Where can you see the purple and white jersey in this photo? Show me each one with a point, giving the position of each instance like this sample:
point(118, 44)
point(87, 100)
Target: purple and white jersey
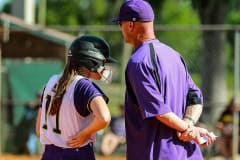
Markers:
point(74, 113)
point(148, 138)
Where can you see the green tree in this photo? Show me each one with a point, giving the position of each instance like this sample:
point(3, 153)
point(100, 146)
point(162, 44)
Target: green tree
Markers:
point(177, 13)
point(214, 87)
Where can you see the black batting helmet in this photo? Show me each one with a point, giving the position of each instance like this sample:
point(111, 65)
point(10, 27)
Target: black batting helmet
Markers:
point(86, 53)
point(100, 44)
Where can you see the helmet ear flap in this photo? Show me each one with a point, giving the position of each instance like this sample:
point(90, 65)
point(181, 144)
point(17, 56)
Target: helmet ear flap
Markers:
point(95, 68)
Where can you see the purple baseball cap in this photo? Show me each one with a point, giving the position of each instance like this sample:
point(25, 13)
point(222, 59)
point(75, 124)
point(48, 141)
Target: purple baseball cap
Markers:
point(135, 10)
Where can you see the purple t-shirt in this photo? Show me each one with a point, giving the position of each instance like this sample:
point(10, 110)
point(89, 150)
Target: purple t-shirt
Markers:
point(147, 138)
point(85, 91)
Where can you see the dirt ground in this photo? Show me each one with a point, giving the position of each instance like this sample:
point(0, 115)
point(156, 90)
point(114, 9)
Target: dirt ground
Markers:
point(26, 157)
point(18, 157)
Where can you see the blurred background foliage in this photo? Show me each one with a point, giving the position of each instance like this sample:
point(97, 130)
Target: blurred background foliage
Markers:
point(167, 12)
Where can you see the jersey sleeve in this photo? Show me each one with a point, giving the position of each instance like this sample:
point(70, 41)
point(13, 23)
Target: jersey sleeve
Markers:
point(85, 91)
point(149, 99)
point(194, 95)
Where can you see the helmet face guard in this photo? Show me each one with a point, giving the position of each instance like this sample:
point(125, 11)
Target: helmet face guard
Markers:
point(106, 74)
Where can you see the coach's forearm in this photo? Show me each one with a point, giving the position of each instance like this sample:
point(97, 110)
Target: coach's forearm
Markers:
point(193, 113)
point(172, 120)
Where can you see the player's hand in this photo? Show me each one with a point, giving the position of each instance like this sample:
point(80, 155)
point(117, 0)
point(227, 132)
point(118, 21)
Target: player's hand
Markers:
point(78, 140)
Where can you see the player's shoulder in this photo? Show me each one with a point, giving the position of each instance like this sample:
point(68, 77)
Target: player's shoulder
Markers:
point(54, 78)
point(84, 85)
point(81, 81)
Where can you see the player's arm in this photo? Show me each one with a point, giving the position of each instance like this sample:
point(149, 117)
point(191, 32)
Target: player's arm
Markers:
point(37, 124)
point(101, 114)
point(101, 119)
